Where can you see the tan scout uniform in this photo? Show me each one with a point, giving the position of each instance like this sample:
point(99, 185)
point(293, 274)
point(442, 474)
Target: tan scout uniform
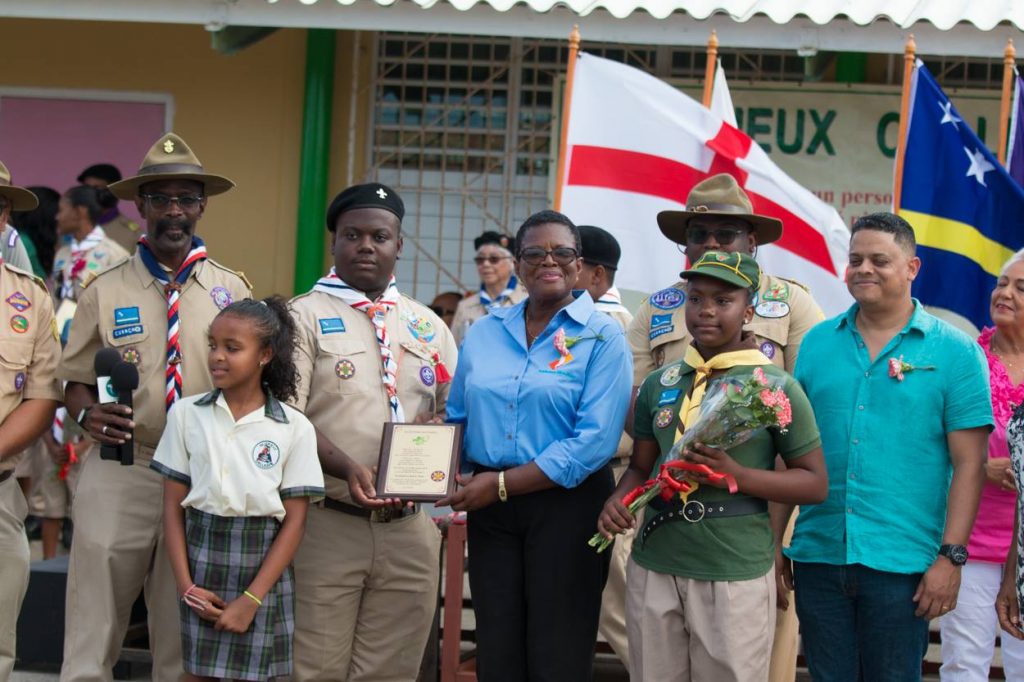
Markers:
point(470, 310)
point(124, 231)
point(784, 313)
point(97, 259)
point(29, 352)
point(12, 250)
point(118, 548)
point(365, 591)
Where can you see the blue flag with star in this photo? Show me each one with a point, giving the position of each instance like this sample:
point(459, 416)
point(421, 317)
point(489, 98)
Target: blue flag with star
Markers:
point(966, 210)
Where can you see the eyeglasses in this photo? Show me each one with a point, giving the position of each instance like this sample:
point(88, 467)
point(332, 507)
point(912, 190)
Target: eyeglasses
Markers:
point(724, 236)
point(493, 260)
point(535, 255)
point(186, 203)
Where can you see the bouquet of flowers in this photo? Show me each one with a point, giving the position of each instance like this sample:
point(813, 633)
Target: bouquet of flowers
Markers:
point(733, 410)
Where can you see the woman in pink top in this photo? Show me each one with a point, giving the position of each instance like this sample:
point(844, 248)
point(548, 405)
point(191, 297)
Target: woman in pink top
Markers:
point(969, 631)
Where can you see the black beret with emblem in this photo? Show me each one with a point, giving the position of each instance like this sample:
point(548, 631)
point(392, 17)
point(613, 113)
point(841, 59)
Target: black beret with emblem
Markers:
point(370, 195)
point(599, 247)
point(496, 238)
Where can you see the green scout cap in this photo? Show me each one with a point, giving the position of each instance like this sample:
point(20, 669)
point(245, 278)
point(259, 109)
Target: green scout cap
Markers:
point(737, 269)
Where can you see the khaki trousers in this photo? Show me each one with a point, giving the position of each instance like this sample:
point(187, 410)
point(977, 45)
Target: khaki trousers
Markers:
point(787, 628)
point(682, 629)
point(365, 597)
point(53, 494)
point(612, 625)
point(13, 569)
point(117, 552)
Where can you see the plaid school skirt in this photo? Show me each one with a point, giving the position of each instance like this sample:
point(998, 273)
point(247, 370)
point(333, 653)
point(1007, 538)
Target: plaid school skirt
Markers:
point(224, 555)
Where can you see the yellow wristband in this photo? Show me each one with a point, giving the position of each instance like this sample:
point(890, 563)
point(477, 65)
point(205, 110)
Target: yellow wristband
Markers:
point(502, 493)
point(250, 595)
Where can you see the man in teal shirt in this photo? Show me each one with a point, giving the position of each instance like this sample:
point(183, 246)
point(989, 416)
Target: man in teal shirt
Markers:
point(902, 402)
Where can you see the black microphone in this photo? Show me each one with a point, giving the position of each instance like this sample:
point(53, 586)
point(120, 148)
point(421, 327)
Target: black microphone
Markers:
point(104, 362)
point(124, 377)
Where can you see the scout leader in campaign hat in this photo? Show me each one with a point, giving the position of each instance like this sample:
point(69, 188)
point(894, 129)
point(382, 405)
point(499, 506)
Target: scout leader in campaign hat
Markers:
point(719, 195)
point(170, 159)
point(19, 198)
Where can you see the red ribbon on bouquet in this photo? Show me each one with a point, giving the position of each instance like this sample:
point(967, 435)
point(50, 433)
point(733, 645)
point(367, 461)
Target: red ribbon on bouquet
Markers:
point(62, 474)
point(670, 485)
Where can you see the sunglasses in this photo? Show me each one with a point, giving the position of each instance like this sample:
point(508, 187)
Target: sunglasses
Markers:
point(535, 255)
point(493, 260)
point(724, 236)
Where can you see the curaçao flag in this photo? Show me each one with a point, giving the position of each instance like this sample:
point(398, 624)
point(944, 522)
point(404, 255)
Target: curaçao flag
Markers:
point(966, 210)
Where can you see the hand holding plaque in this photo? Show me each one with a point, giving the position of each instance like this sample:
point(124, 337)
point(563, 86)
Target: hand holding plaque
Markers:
point(418, 462)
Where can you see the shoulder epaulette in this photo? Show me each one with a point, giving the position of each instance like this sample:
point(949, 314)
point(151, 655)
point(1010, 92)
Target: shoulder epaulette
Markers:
point(793, 281)
point(237, 273)
point(25, 273)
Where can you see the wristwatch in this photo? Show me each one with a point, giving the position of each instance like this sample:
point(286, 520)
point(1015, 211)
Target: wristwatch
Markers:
point(957, 554)
point(82, 415)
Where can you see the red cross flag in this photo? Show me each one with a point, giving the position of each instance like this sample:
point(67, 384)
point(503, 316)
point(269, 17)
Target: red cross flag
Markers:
point(636, 146)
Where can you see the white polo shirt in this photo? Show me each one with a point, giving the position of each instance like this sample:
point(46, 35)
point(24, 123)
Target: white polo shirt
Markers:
point(239, 468)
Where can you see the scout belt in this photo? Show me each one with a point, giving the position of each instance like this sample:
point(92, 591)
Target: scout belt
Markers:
point(378, 515)
point(695, 511)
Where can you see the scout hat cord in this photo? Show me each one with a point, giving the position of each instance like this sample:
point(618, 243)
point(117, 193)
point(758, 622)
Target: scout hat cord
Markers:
point(78, 251)
point(335, 286)
point(486, 300)
point(172, 290)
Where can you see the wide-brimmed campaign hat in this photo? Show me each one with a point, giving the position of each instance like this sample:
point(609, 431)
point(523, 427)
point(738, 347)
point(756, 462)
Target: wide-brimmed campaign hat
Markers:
point(735, 268)
point(21, 199)
point(718, 195)
point(170, 159)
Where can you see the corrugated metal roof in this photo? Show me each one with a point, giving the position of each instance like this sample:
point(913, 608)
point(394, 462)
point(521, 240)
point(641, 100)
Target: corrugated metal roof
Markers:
point(944, 14)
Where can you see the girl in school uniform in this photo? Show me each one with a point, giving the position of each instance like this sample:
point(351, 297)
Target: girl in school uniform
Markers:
point(241, 467)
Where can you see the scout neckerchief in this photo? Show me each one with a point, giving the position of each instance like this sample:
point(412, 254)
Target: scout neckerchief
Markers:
point(691, 403)
point(506, 295)
point(377, 312)
point(172, 290)
point(76, 263)
point(611, 302)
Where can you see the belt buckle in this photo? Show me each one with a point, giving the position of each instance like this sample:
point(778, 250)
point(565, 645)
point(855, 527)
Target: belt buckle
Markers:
point(382, 515)
point(693, 511)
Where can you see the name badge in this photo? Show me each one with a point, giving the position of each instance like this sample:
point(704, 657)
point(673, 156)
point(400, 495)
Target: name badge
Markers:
point(331, 325)
point(124, 316)
point(127, 331)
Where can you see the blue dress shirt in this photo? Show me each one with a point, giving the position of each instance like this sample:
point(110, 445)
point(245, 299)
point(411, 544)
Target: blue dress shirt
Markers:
point(884, 440)
point(518, 409)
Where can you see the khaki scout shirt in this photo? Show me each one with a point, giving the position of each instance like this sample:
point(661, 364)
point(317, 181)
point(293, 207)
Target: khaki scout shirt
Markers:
point(340, 372)
point(783, 313)
point(471, 309)
point(97, 259)
point(124, 231)
point(29, 349)
point(624, 318)
point(125, 308)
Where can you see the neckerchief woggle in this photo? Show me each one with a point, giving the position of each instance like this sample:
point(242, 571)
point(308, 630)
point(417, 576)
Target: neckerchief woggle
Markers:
point(172, 291)
point(377, 312)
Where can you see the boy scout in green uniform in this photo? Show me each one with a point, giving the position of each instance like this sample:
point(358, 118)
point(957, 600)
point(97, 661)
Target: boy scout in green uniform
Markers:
point(29, 393)
point(719, 216)
point(366, 573)
point(154, 309)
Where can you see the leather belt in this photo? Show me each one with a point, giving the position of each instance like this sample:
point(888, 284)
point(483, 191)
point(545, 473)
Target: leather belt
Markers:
point(376, 515)
point(696, 511)
point(4, 475)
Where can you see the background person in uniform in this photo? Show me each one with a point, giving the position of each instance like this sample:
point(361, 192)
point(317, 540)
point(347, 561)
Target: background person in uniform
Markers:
point(903, 404)
point(366, 573)
point(38, 229)
point(718, 216)
point(444, 305)
point(499, 287)
point(11, 249)
point(118, 226)
point(543, 389)
point(601, 253)
point(155, 309)
point(29, 394)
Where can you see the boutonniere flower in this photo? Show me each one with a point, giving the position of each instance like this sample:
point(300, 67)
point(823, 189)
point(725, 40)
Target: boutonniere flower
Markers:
point(898, 368)
point(563, 343)
point(77, 267)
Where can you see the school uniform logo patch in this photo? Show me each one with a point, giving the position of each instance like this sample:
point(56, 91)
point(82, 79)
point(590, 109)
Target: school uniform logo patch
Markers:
point(663, 418)
point(221, 297)
point(123, 316)
point(345, 369)
point(331, 325)
point(427, 376)
point(19, 323)
point(19, 301)
point(266, 454)
point(772, 309)
point(19, 381)
point(668, 299)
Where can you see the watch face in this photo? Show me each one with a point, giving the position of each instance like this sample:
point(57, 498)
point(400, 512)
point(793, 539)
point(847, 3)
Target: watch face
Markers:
point(958, 554)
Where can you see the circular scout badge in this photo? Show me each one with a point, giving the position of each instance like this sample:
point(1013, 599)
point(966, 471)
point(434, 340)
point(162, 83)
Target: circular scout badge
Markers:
point(221, 297)
point(671, 375)
point(19, 381)
point(768, 348)
point(345, 369)
point(421, 329)
point(427, 376)
point(19, 323)
point(772, 309)
point(131, 356)
point(266, 454)
point(438, 476)
point(663, 418)
point(668, 299)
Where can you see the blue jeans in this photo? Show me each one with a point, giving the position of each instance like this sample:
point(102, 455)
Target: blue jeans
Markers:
point(859, 624)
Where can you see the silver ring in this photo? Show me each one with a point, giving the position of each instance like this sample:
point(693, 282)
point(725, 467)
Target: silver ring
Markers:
point(104, 430)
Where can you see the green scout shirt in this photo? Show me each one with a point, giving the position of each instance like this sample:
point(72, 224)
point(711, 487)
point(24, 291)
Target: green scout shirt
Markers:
point(731, 548)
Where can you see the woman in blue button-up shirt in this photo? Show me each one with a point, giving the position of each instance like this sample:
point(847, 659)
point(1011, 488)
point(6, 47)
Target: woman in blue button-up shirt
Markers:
point(543, 388)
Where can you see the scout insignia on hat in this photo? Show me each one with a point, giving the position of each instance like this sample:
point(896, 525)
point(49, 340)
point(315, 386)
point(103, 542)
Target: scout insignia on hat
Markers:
point(668, 299)
point(664, 417)
point(370, 195)
point(496, 238)
point(266, 454)
point(719, 195)
point(345, 369)
point(19, 301)
point(221, 297)
point(170, 159)
point(599, 247)
point(19, 323)
point(671, 376)
point(19, 381)
point(738, 269)
point(20, 198)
